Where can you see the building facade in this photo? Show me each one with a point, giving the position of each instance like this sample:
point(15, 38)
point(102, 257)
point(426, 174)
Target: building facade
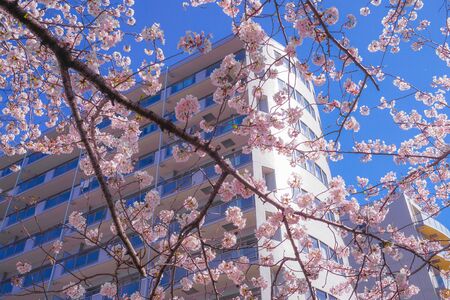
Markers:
point(37, 200)
point(410, 220)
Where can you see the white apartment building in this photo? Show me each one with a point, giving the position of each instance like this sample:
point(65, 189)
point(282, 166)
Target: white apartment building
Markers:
point(37, 200)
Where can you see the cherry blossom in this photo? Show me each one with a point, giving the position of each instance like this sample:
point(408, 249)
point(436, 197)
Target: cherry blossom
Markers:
point(23, 267)
point(186, 108)
point(45, 43)
point(108, 289)
point(74, 291)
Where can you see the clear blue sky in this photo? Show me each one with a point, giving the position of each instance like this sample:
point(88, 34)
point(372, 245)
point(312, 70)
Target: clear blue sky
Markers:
point(417, 68)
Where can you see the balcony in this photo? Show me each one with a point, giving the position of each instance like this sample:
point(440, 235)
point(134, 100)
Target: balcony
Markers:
point(46, 176)
point(231, 255)
point(97, 258)
point(432, 228)
point(441, 261)
point(166, 188)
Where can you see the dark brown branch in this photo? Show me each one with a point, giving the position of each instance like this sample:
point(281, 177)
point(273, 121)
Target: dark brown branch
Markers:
point(338, 44)
point(97, 169)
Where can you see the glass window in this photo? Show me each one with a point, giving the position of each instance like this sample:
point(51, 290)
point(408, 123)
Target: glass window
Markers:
point(37, 277)
point(93, 184)
point(209, 101)
point(312, 111)
point(240, 55)
point(212, 67)
point(171, 117)
point(263, 105)
point(30, 183)
point(7, 170)
point(182, 84)
point(333, 255)
point(151, 100)
point(209, 171)
point(321, 295)
point(281, 85)
point(324, 177)
point(95, 216)
point(57, 199)
point(81, 260)
point(47, 236)
point(146, 160)
point(135, 198)
point(324, 250)
point(104, 123)
point(129, 288)
point(169, 187)
point(21, 215)
point(65, 167)
point(12, 249)
point(147, 129)
point(277, 54)
point(5, 287)
point(184, 182)
point(136, 241)
point(35, 157)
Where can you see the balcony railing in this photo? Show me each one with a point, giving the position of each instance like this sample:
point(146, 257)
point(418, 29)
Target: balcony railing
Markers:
point(12, 249)
point(217, 212)
point(46, 176)
point(172, 89)
point(428, 221)
point(80, 260)
point(251, 253)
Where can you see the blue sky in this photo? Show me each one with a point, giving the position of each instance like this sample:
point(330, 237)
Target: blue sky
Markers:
point(417, 68)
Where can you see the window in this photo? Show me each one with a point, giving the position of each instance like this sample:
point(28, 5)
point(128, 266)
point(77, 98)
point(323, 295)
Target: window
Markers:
point(150, 100)
point(240, 159)
point(263, 104)
point(176, 87)
point(240, 55)
point(281, 84)
point(37, 277)
point(321, 295)
point(91, 292)
point(89, 185)
point(47, 236)
point(136, 241)
point(95, 216)
point(5, 287)
point(298, 97)
point(30, 183)
point(147, 129)
point(129, 288)
point(209, 101)
point(21, 215)
point(81, 260)
point(212, 67)
point(311, 167)
point(104, 123)
point(7, 170)
point(270, 180)
point(305, 130)
point(35, 157)
point(57, 199)
point(12, 249)
point(146, 160)
point(171, 117)
point(65, 167)
point(135, 198)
